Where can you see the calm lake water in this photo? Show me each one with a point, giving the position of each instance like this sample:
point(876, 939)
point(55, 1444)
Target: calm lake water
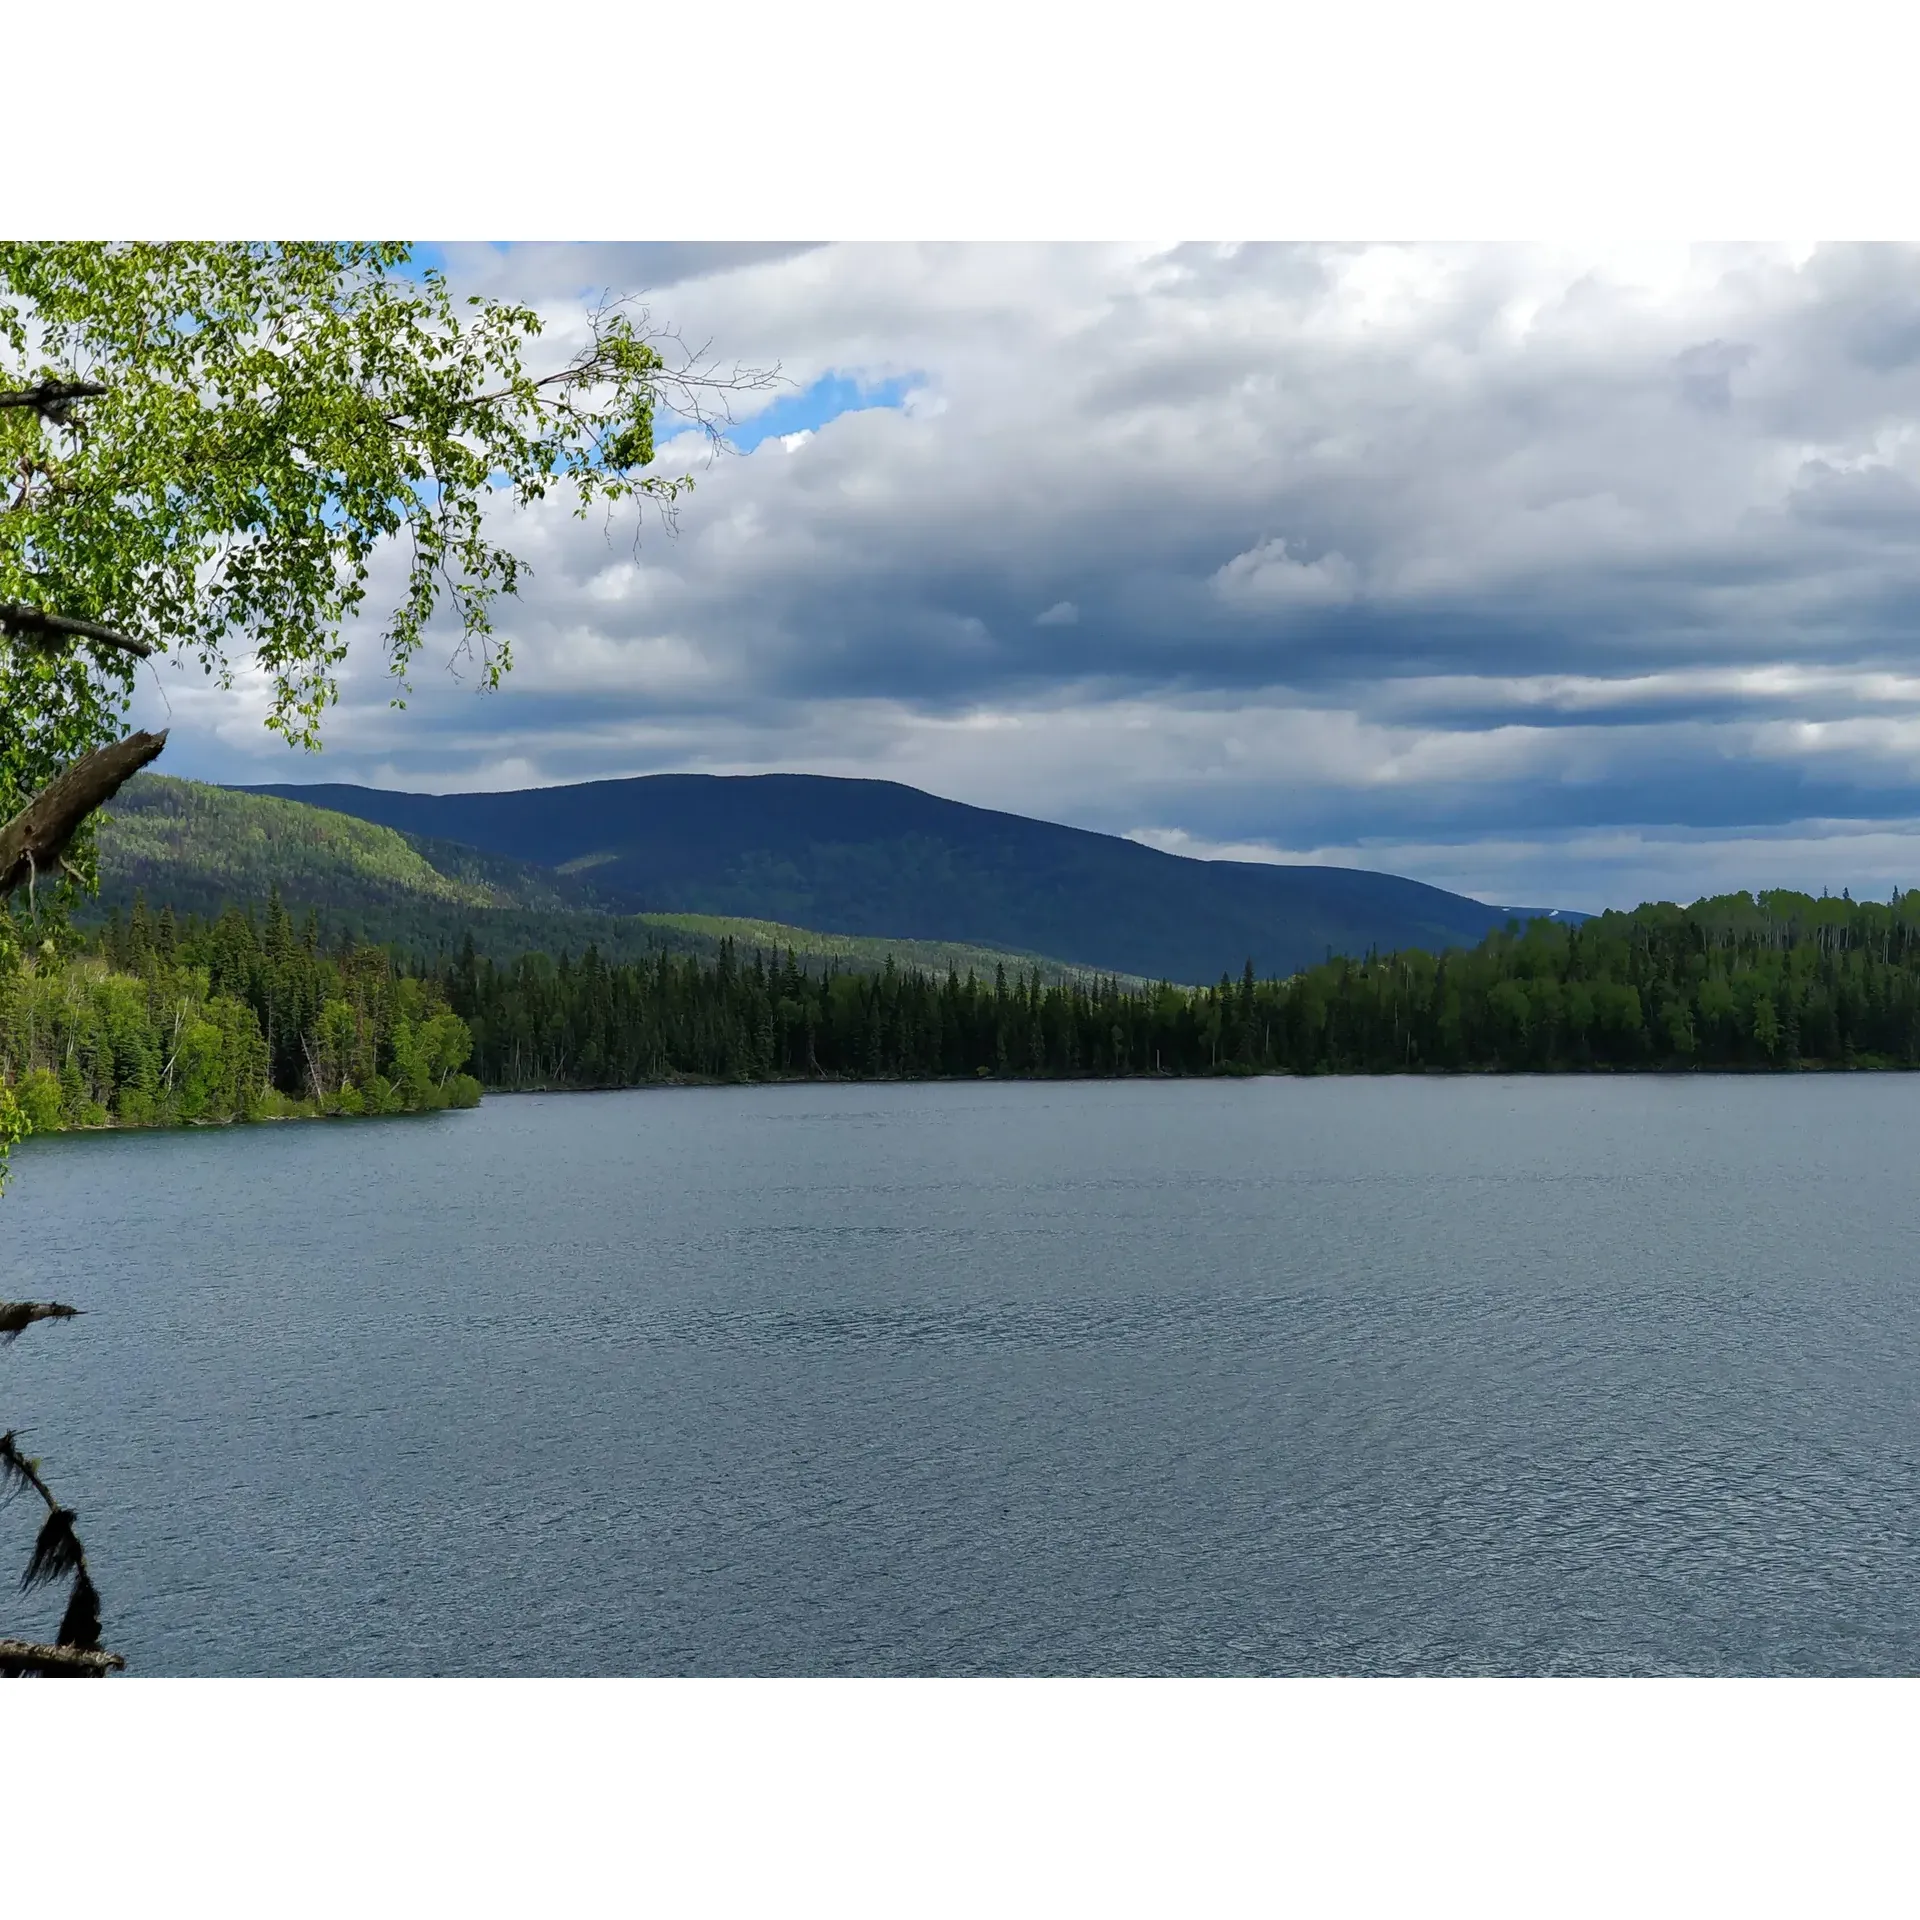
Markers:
point(1337, 1376)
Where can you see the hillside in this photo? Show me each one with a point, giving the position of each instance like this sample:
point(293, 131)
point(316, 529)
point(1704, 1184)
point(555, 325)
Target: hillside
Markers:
point(870, 857)
point(200, 849)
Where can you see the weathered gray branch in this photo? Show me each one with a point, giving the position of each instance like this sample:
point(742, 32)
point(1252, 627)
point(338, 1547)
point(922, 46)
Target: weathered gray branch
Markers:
point(34, 840)
point(34, 623)
point(23, 1657)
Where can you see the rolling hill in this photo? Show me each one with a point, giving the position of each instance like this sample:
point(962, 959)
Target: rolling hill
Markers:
point(876, 859)
point(200, 849)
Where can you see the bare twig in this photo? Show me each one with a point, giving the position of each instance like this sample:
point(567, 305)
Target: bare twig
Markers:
point(34, 623)
point(17, 1471)
point(37, 836)
point(677, 384)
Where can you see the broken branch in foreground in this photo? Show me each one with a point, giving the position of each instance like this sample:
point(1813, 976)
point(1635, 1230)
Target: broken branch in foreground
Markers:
point(34, 840)
point(19, 1658)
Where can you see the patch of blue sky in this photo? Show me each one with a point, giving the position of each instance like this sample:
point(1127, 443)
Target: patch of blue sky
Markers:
point(428, 254)
point(811, 408)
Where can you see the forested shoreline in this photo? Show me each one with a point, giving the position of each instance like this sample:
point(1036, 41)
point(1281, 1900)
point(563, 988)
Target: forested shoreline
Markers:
point(153, 1024)
point(148, 1022)
point(1777, 982)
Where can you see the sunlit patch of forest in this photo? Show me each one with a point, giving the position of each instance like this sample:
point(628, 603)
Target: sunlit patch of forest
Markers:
point(151, 1024)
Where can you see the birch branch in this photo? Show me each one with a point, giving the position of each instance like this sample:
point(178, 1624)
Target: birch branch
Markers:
point(49, 629)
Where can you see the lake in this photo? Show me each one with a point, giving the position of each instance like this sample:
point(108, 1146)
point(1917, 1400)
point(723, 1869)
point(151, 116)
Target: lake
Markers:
point(1258, 1377)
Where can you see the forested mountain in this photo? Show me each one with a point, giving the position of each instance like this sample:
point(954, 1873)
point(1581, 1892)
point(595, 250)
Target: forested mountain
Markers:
point(1783, 981)
point(200, 849)
point(875, 858)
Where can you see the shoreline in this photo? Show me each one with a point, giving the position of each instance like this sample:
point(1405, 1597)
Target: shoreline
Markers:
point(694, 1083)
point(232, 1120)
point(1667, 1069)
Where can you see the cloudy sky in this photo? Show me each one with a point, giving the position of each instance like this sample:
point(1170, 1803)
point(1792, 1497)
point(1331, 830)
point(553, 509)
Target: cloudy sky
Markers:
point(1556, 576)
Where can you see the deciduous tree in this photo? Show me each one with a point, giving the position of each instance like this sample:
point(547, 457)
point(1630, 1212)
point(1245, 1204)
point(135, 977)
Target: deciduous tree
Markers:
point(204, 449)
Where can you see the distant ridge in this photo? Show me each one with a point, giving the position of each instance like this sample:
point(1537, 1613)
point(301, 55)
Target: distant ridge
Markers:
point(201, 849)
point(873, 857)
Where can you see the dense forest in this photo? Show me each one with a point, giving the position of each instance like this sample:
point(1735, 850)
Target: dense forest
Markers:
point(1778, 981)
point(149, 1024)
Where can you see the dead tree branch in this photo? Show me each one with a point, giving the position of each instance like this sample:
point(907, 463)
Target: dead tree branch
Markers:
point(19, 1658)
point(35, 839)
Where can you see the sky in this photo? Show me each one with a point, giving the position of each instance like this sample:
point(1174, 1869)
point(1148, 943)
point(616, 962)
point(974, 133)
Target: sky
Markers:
point(1559, 576)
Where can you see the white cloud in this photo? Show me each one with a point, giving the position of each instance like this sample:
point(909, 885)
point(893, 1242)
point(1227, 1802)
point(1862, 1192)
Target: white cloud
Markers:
point(1333, 546)
point(1267, 578)
point(1612, 868)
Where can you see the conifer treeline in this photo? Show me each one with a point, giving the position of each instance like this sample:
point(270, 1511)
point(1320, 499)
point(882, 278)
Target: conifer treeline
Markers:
point(156, 1023)
point(245, 1016)
point(1779, 981)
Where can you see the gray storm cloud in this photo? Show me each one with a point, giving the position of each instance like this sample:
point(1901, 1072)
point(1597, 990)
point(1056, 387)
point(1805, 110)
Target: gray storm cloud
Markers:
point(1605, 566)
